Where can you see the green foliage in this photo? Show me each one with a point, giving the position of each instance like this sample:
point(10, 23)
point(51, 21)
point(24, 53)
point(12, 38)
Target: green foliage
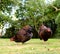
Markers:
point(57, 3)
point(4, 19)
point(6, 5)
point(57, 33)
point(31, 12)
point(58, 19)
point(10, 32)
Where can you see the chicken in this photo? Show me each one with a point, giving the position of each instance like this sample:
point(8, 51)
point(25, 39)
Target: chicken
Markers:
point(23, 34)
point(45, 32)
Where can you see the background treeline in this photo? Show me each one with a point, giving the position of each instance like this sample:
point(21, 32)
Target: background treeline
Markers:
point(31, 12)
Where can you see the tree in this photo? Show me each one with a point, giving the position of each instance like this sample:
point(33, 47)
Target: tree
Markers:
point(6, 7)
point(55, 7)
point(37, 11)
point(32, 10)
point(4, 20)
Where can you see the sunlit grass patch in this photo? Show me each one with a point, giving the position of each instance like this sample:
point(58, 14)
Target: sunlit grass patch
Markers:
point(33, 46)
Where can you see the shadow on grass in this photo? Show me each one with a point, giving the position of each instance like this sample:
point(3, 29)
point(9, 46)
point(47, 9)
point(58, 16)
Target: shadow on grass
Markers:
point(4, 38)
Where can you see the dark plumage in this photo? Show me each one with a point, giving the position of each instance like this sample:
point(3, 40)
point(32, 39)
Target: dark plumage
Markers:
point(23, 34)
point(51, 24)
point(45, 32)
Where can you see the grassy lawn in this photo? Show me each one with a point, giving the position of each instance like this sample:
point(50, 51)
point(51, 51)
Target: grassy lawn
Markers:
point(34, 46)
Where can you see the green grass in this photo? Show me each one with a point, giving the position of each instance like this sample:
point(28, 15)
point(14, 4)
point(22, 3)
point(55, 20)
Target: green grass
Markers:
point(34, 46)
